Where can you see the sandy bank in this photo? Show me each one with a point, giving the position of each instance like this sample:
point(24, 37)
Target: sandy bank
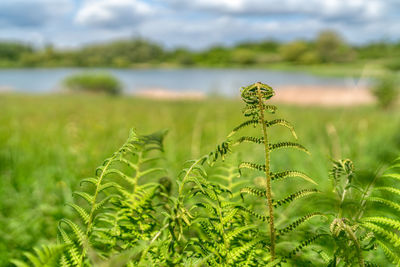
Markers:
point(5, 89)
point(165, 94)
point(325, 96)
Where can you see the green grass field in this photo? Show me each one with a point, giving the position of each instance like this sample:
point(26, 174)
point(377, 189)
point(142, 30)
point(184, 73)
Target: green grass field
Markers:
point(49, 142)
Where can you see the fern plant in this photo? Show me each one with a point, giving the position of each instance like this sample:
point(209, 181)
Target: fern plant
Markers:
point(367, 221)
point(115, 204)
point(255, 97)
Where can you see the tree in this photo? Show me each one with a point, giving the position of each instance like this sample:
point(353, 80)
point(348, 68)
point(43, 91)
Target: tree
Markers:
point(332, 48)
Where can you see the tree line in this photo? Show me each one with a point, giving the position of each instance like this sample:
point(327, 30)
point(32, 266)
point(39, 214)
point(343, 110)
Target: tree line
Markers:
point(328, 47)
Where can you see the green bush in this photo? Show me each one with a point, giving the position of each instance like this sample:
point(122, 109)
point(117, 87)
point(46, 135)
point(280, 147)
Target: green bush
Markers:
point(386, 90)
point(93, 82)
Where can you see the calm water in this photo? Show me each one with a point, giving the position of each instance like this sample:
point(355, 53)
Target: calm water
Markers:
point(223, 81)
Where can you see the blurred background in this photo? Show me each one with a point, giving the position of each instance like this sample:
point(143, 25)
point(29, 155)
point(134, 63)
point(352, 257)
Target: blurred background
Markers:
point(204, 46)
point(76, 75)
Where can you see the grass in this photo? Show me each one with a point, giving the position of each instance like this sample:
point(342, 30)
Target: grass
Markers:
point(43, 138)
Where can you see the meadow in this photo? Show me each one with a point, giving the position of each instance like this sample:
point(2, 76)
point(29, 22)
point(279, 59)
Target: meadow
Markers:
point(49, 142)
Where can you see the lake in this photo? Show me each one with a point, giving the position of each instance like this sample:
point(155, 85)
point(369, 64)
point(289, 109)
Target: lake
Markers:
point(220, 81)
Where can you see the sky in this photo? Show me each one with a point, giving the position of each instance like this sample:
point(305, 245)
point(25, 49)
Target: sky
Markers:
point(195, 24)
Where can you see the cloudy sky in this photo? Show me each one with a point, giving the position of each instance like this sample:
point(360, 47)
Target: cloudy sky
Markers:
point(195, 23)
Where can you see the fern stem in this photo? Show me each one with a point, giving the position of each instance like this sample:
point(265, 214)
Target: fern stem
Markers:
point(267, 173)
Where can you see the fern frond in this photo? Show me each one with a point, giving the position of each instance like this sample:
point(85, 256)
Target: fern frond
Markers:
point(251, 166)
point(78, 232)
point(251, 110)
point(253, 191)
point(64, 262)
point(285, 174)
point(253, 213)
point(284, 123)
point(210, 208)
point(89, 198)
point(238, 231)
point(209, 229)
point(302, 245)
point(243, 125)
point(390, 236)
point(221, 151)
point(392, 256)
point(294, 196)
point(90, 180)
point(130, 180)
point(236, 253)
point(389, 189)
point(72, 248)
point(342, 168)
point(395, 176)
point(386, 202)
point(250, 139)
point(249, 93)
point(270, 108)
point(385, 221)
point(81, 211)
point(102, 202)
point(228, 216)
point(297, 223)
point(370, 264)
point(288, 145)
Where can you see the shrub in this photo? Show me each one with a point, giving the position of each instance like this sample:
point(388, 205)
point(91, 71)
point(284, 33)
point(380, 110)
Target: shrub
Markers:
point(94, 83)
point(386, 90)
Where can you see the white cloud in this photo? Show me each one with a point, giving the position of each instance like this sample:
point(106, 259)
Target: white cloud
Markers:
point(226, 30)
point(196, 23)
point(329, 9)
point(112, 13)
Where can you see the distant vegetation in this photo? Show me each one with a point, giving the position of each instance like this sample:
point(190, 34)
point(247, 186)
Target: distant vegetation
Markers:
point(386, 90)
point(327, 48)
point(94, 83)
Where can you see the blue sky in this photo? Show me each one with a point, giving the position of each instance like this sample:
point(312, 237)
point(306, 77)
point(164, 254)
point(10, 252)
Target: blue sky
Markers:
point(195, 23)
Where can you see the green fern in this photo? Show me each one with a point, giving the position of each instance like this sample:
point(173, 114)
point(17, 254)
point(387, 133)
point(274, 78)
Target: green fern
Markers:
point(363, 229)
point(255, 97)
point(133, 212)
point(115, 205)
